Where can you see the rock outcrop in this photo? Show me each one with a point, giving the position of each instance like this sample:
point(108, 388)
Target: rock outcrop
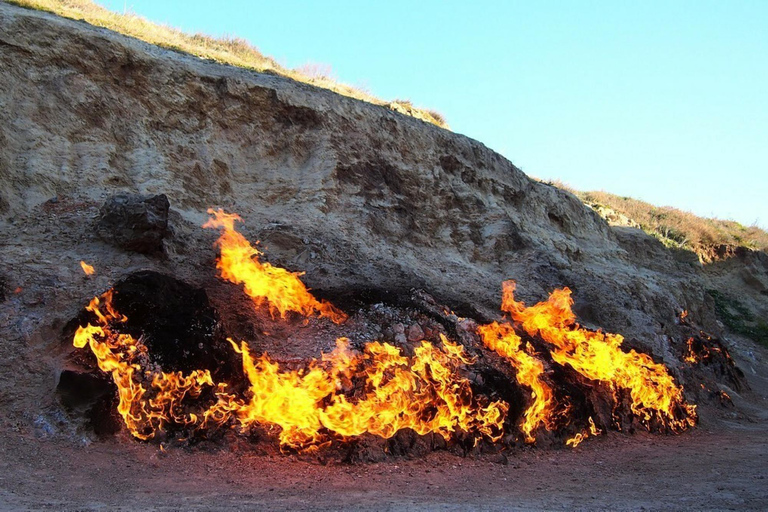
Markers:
point(356, 195)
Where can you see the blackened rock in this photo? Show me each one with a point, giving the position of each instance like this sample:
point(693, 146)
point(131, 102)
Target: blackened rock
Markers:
point(135, 222)
point(177, 323)
point(90, 395)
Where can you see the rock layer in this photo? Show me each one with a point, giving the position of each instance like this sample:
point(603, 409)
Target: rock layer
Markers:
point(356, 195)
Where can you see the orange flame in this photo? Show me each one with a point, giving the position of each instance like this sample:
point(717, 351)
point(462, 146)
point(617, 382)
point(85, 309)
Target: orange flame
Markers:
point(423, 393)
point(598, 356)
point(692, 356)
point(280, 289)
point(88, 269)
point(502, 339)
point(146, 409)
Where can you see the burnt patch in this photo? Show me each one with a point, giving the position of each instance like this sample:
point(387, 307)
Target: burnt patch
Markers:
point(180, 330)
point(91, 396)
point(175, 320)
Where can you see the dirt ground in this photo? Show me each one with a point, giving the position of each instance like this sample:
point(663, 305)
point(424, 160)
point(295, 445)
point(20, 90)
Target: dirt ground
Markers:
point(719, 466)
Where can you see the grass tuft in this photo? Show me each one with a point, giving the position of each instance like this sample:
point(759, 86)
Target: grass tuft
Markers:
point(673, 227)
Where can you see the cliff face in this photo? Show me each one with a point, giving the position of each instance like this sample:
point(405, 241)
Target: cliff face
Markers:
point(356, 195)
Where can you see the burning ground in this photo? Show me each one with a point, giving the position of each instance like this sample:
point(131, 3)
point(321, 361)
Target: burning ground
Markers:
point(717, 464)
point(553, 377)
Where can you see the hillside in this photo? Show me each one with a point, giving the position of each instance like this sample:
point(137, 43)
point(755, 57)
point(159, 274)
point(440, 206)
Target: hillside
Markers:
point(673, 227)
point(112, 152)
point(232, 51)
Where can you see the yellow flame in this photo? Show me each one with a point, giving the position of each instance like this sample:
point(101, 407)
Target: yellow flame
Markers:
point(501, 338)
point(276, 287)
point(88, 269)
point(598, 356)
point(577, 439)
point(423, 393)
point(146, 410)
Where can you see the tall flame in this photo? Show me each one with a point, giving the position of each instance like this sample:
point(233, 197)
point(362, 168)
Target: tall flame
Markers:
point(502, 338)
point(598, 356)
point(280, 289)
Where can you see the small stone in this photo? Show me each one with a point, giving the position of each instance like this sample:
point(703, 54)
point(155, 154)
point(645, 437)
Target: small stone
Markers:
point(415, 333)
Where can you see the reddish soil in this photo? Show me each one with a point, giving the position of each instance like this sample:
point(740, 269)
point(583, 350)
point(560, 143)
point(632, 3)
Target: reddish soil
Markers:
point(721, 466)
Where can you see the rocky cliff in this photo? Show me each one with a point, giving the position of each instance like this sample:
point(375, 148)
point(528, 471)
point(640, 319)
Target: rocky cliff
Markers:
point(358, 196)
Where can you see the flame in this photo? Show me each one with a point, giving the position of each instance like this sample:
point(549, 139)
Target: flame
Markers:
point(697, 351)
point(148, 400)
point(502, 338)
point(88, 269)
point(598, 356)
point(378, 389)
point(581, 436)
point(693, 356)
point(423, 393)
point(280, 289)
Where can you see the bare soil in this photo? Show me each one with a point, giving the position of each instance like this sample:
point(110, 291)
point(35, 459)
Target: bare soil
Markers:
point(720, 466)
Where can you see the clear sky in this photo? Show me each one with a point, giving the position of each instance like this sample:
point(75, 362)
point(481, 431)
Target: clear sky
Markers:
point(665, 101)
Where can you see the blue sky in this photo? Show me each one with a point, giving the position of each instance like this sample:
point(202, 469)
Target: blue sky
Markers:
point(665, 101)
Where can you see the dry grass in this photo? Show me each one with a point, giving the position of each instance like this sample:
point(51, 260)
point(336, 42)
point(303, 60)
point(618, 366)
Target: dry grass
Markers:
point(676, 228)
point(233, 51)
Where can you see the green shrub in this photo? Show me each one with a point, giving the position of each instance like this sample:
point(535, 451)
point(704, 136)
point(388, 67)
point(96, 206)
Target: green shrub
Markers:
point(738, 318)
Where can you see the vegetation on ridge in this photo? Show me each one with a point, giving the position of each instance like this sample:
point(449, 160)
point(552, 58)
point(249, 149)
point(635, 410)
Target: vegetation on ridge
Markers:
point(226, 50)
point(673, 227)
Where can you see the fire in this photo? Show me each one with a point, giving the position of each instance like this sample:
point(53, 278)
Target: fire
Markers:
point(88, 269)
point(378, 389)
point(501, 338)
point(581, 436)
point(699, 351)
point(423, 393)
point(280, 289)
point(149, 401)
point(598, 356)
point(694, 356)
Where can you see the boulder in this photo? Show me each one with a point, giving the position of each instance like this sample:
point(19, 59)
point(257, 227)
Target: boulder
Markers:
point(135, 222)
